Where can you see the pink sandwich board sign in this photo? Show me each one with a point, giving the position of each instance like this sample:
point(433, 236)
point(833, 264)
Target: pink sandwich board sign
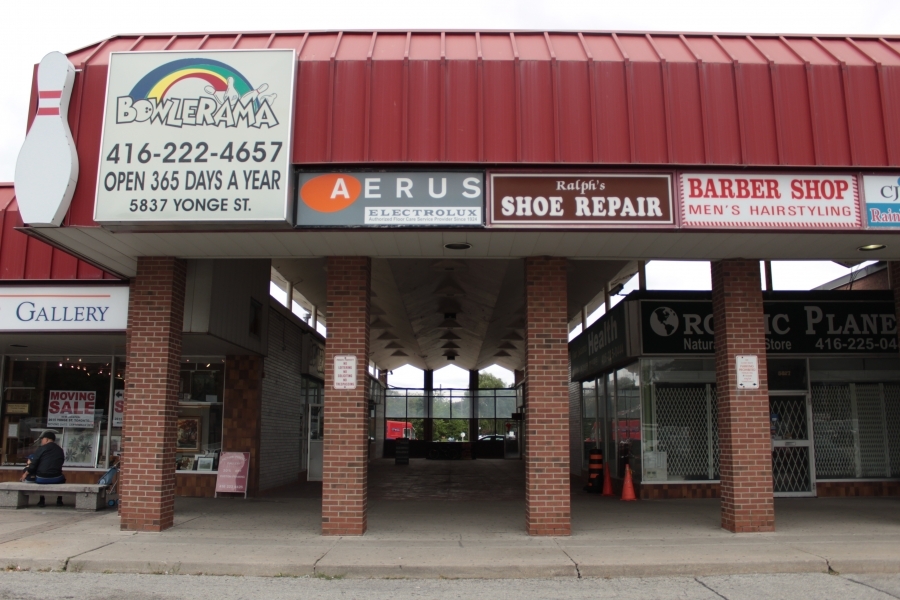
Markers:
point(233, 470)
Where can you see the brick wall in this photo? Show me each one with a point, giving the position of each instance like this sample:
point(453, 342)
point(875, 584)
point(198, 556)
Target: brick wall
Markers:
point(547, 493)
point(195, 485)
point(153, 347)
point(282, 407)
point(876, 281)
point(241, 415)
point(345, 468)
point(744, 437)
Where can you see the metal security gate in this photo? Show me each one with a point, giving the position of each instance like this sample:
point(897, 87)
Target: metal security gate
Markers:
point(793, 470)
point(855, 430)
point(687, 432)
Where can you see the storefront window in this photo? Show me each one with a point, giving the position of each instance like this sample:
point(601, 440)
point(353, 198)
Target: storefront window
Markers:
point(495, 411)
point(67, 395)
point(856, 418)
point(611, 429)
point(590, 434)
point(628, 403)
point(680, 424)
point(199, 425)
point(118, 411)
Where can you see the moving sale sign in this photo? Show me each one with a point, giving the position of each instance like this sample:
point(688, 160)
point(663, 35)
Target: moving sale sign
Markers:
point(71, 409)
point(769, 201)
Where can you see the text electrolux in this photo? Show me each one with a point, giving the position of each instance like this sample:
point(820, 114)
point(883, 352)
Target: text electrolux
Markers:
point(27, 311)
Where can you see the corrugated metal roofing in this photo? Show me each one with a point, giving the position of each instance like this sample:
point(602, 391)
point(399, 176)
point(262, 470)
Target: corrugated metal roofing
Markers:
point(558, 98)
point(24, 257)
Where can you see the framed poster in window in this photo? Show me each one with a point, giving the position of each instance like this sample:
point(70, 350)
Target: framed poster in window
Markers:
point(188, 436)
point(80, 446)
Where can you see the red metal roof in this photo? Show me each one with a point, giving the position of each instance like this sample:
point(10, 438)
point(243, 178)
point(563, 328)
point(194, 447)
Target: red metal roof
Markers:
point(23, 257)
point(557, 98)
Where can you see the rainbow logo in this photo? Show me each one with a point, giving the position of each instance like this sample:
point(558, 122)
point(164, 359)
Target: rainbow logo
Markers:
point(157, 83)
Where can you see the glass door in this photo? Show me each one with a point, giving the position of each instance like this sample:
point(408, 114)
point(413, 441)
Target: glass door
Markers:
point(793, 470)
point(316, 435)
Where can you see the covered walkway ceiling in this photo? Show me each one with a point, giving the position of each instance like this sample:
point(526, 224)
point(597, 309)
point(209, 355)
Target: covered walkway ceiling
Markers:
point(118, 252)
point(427, 310)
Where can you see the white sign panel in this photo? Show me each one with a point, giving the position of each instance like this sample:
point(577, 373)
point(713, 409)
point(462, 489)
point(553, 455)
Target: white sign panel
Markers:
point(345, 372)
point(64, 308)
point(118, 407)
point(882, 194)
point(772, 201)
point(197, 137)
point(71, 409)
point(747, 368)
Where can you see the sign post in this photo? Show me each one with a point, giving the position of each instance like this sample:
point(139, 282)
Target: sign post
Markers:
point(747, 369)
point(345, 372)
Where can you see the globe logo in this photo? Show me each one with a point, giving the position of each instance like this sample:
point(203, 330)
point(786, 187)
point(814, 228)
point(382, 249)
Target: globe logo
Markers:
point(664, 321)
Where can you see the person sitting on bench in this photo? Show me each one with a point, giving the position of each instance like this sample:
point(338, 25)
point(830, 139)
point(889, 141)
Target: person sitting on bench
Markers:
point(46, 464)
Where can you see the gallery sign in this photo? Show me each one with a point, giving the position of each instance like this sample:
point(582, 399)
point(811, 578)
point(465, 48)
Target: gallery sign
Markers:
point(379, 199)
point(882, 194)
point(770, 201)
point(197, 137)
point(71, 409)
point(63, 308)
point(580, 200)
point(810, 326)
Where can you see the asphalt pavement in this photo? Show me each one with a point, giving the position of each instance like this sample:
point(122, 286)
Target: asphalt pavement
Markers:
point(98, 586)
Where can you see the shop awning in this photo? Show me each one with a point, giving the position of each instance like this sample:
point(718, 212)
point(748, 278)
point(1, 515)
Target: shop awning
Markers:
point(552, 98)
point(24, 257)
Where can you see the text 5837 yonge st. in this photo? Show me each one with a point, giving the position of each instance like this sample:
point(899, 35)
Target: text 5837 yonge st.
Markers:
point(464, 198)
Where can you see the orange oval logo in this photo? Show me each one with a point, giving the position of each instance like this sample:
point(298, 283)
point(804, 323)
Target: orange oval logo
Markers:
point(330, 193)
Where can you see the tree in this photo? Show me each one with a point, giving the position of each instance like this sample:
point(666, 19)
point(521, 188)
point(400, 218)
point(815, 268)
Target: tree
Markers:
point(488, 381)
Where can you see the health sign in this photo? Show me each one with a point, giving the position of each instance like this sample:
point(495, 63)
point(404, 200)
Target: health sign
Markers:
point(197, 137)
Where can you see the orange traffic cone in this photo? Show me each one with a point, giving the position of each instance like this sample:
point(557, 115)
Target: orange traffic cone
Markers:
point(628, 486)
point(595, 466)
point(607, 484)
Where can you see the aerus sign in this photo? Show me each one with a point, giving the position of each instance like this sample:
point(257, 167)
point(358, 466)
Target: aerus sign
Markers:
point(380, 199)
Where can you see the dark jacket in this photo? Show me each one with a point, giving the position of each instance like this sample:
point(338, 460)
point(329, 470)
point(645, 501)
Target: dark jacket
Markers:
point(48, 461)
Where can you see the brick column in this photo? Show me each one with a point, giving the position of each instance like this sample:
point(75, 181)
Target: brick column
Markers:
point(745, 462)
point(346, 445)
point(547, 490)
point(241, 421)
point(153, 348)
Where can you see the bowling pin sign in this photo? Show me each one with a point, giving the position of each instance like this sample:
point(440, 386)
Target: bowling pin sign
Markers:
point(47, 166)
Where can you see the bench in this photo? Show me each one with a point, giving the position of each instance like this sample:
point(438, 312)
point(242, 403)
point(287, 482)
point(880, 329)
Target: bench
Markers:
point(88, 496)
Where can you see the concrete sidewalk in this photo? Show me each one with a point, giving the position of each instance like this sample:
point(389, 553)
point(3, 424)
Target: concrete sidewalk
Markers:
point(482, 539)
